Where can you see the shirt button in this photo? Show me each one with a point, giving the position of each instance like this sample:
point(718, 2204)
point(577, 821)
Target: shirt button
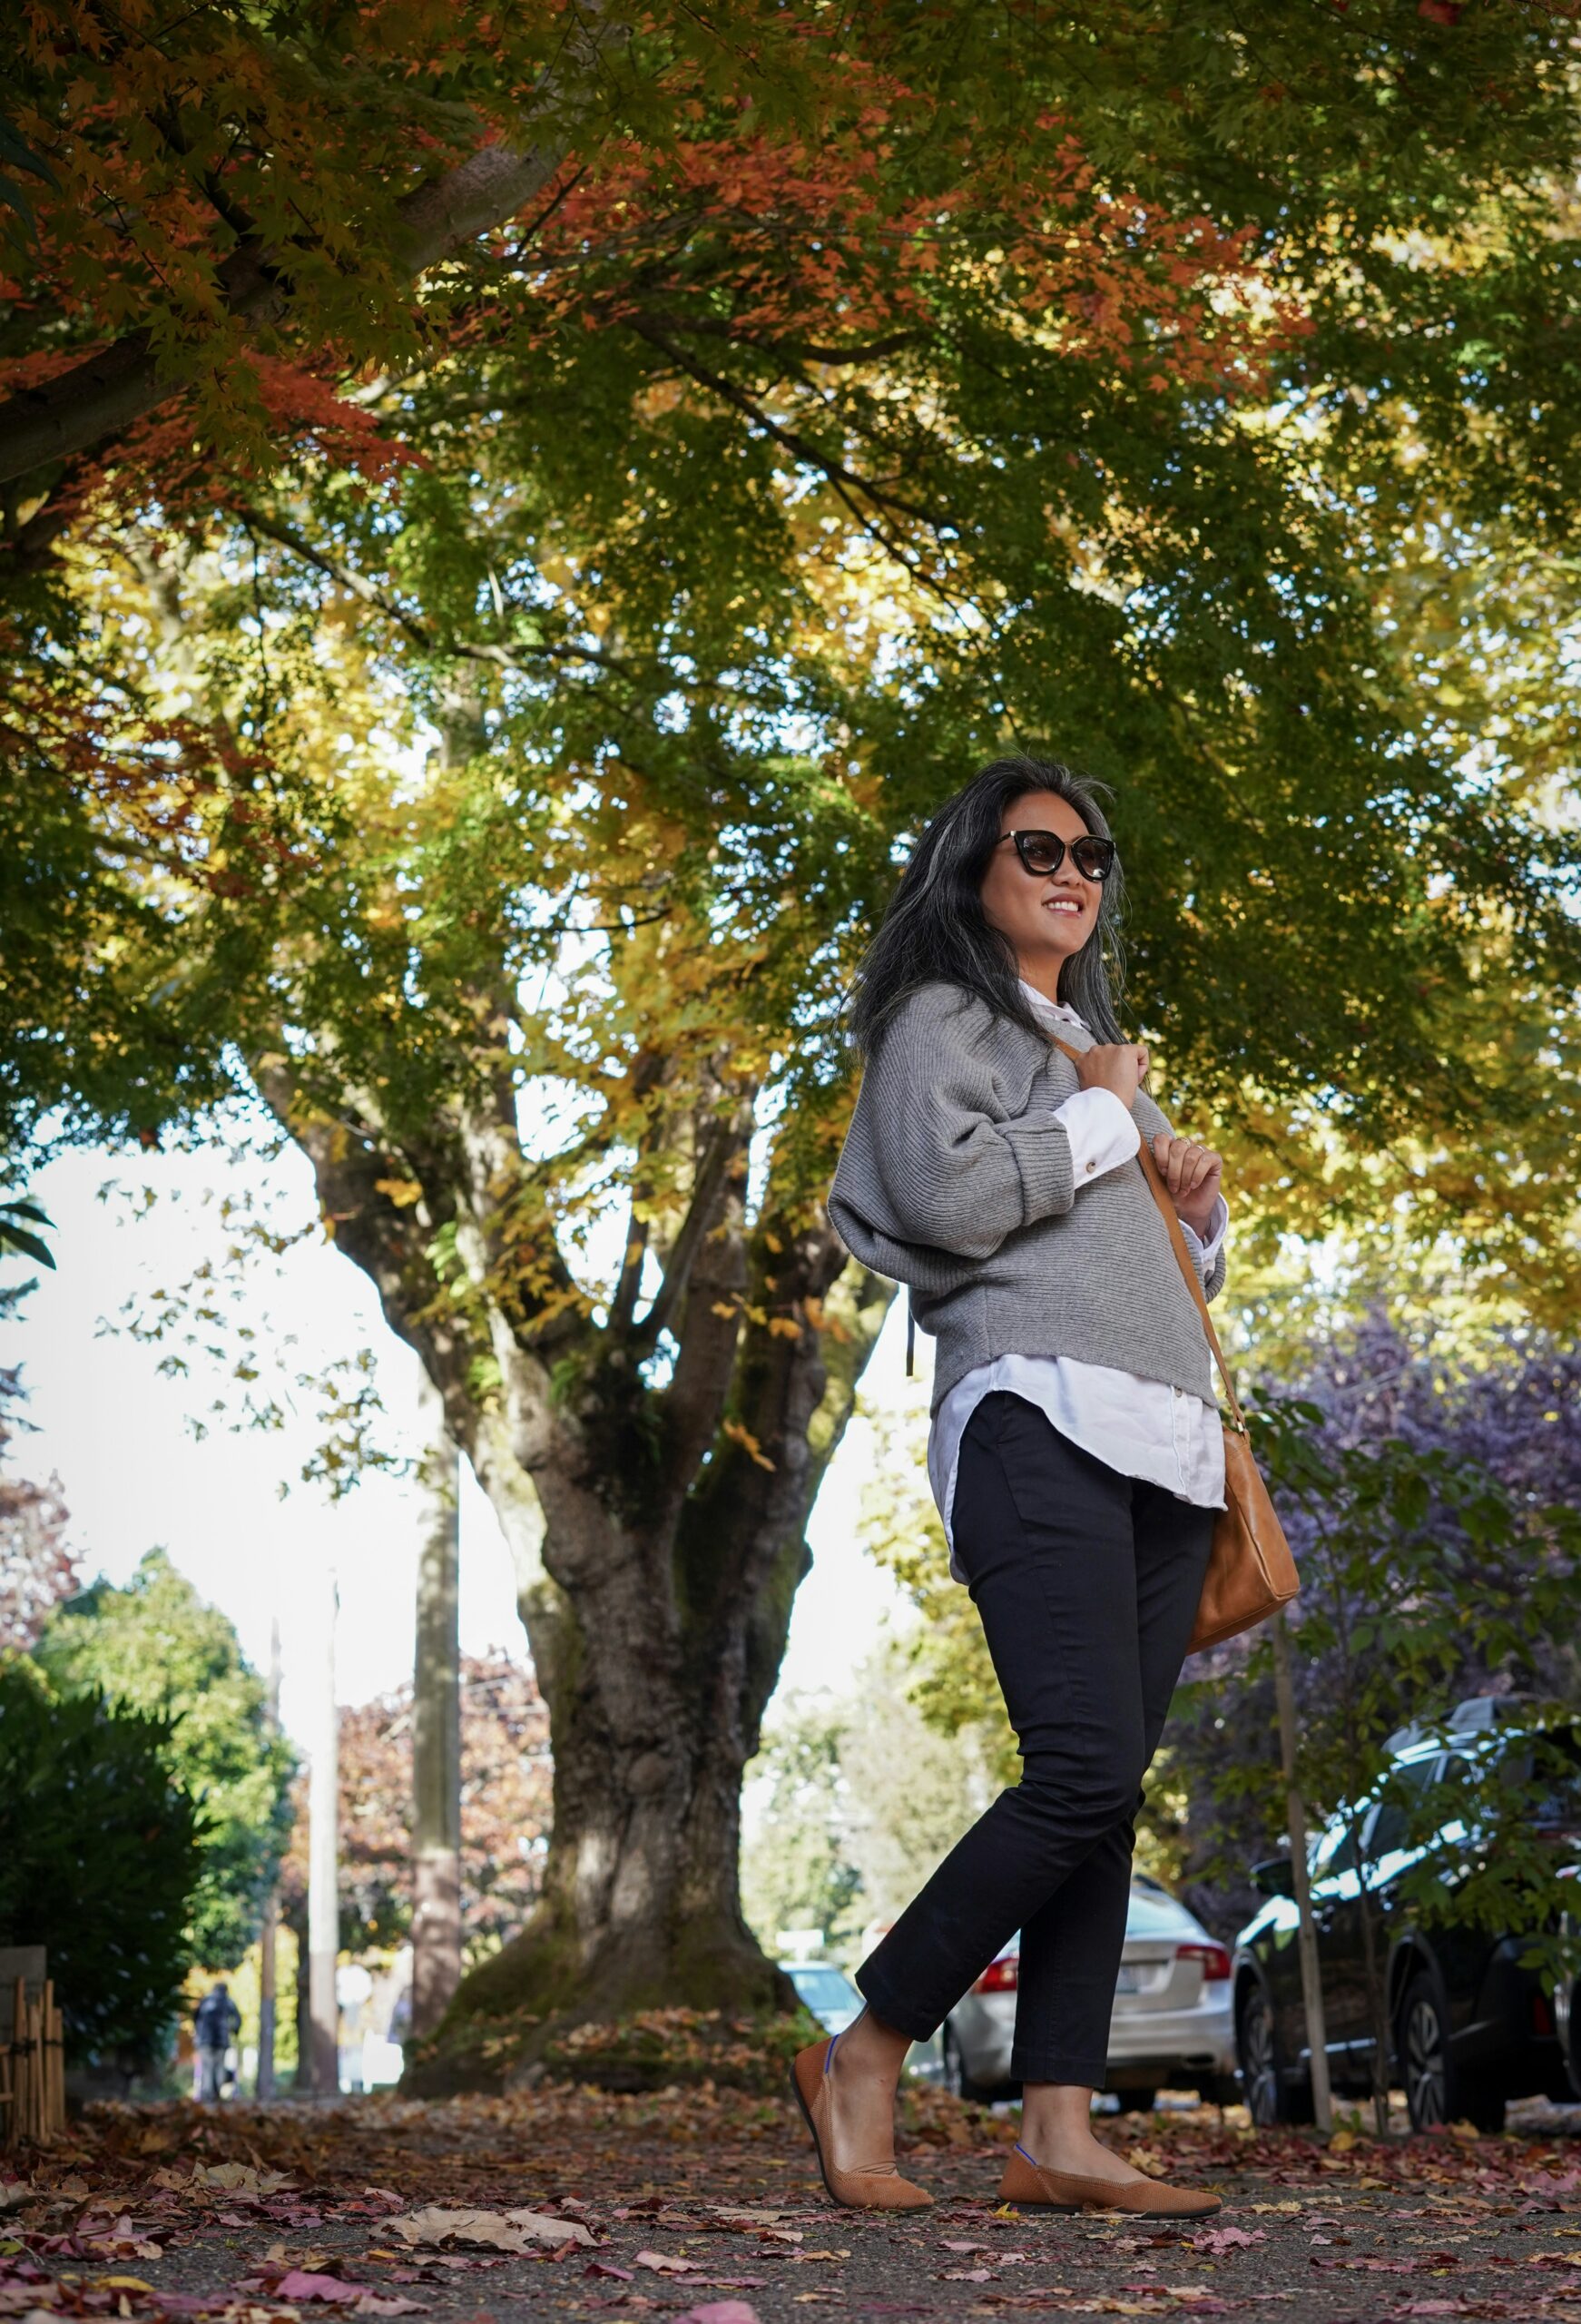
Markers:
point(1092, 1166)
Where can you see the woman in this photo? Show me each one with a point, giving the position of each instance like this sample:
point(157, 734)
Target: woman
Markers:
point(1077, 1454)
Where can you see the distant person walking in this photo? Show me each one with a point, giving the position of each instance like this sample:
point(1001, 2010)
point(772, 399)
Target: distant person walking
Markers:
point(215, 2027)
point(1076, 1454)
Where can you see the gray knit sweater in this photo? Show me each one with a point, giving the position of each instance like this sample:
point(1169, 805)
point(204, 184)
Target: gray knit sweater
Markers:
point(956, 1179)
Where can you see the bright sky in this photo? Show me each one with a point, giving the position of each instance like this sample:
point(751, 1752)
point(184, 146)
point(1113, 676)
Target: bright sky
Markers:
point(134, 1475)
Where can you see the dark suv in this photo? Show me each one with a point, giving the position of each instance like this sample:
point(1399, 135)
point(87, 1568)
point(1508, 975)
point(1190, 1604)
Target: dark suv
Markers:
point(1471, 2029)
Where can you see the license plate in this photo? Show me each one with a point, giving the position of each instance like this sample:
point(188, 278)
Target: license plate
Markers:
point(1129, 1980)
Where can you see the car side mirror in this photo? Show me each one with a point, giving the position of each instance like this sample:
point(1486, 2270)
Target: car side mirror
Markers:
point(1274, 1877)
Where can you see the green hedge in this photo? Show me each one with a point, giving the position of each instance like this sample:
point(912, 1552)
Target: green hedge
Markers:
point(99, 1857)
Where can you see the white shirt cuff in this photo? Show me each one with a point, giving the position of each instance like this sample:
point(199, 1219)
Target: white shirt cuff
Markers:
point(1101, 1131)
point(1218, 1227)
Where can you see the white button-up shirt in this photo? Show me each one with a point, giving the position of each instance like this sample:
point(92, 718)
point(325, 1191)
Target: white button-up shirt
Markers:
point(1143, 1428)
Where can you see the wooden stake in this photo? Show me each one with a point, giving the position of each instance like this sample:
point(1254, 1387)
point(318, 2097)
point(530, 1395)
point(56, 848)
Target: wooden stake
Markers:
point(1307, 1927)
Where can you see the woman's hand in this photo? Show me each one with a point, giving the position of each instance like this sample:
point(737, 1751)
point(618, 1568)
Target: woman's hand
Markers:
point(1118, 1066)
point(1192, 1173)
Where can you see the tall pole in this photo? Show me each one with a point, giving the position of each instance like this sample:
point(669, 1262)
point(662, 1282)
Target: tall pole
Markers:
point(264, 2086)
point(323, 1868)
point(1307, 1932)
point(436, 1727)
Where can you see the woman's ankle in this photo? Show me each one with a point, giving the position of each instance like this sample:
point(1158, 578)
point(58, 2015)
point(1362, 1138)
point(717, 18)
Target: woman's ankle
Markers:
point(870, 2046)
point(1055, 2116)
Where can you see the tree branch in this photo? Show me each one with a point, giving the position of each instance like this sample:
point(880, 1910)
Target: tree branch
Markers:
point(721, 1142)
point(849, 487)
point(121, 383)
point(346, 577)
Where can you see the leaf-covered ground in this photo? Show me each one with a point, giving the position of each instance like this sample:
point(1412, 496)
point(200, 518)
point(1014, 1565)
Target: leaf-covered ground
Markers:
point(704, 2204)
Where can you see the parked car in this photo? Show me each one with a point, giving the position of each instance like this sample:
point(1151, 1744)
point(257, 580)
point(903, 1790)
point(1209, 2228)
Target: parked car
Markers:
point(826, 1991)
point(1171, 2025)
point(1469, 2028)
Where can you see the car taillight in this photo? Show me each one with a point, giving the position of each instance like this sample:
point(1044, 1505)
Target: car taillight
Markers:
point(1215, 1961)
point(1000, 1976)
point(1542, 2015)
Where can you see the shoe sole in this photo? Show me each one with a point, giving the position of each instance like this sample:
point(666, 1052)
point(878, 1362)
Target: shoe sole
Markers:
point(818, 2145)
point(1099, 2211)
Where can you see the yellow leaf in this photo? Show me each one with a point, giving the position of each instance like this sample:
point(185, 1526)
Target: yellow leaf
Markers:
point(402, 1192)
point(784, 1327)
point(747, 1442)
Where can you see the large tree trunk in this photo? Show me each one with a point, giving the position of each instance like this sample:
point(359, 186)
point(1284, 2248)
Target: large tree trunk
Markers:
point(658, 1537)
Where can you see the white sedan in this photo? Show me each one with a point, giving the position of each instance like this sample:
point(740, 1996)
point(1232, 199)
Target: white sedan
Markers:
point(1173, 2027)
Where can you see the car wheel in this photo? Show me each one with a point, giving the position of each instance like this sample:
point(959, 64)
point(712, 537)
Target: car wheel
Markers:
point(1269, 2100)
point(1435, 2092)
point(957, 2080)
point(1136, 2101)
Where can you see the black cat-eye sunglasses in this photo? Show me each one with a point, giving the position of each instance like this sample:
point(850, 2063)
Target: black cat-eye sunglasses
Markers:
point(1042, 853)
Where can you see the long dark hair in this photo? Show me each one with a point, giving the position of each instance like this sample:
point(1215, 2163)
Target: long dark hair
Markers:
point(936, 932)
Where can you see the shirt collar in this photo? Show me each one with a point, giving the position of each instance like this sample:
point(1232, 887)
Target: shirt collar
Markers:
point(1053, 1008)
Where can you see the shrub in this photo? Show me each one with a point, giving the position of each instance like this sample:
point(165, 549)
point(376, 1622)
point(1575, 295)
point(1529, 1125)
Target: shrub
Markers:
point(99, 1859)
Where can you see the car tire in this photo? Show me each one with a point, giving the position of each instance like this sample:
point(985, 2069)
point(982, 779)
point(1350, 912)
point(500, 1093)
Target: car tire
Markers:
point(957, 2080)
point(1270, 2097)
point(1136, 2101)
point(1437, 2091)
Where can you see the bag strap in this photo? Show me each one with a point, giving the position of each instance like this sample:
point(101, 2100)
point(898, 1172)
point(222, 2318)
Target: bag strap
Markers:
point(1160, 1192)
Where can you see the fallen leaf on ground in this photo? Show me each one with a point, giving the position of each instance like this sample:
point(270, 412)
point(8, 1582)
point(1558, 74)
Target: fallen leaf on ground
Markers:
point(663, 2264)
point(234, 2178)
point(1227, 2239)
point(719, 2311)
point(297, 2284)
point(504, 2230)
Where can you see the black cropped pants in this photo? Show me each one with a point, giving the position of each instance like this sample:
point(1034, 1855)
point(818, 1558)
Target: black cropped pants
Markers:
point(1087, 1584)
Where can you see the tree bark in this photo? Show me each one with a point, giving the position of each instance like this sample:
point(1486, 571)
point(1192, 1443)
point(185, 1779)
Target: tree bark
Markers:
point(658, 1532)
point(436, 1730)
point(263, 2086)
point(323, 2056)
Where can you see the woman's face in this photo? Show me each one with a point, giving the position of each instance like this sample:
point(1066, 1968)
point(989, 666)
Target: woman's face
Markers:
point(1047, 919)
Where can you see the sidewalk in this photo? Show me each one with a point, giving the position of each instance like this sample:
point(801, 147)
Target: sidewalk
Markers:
point(706, 2205)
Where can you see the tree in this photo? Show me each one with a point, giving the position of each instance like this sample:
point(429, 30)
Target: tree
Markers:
point(796, 1868)
point(436, 1732)
point(101, 1852)
point(770, 486)
point(1371, 1428)
point(862, 1798)
point(156, 1647)
point(38, 1566)
point(504, 1811)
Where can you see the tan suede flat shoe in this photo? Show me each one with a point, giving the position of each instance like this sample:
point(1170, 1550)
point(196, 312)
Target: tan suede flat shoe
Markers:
point(1026, 2182)
point(871, 2186)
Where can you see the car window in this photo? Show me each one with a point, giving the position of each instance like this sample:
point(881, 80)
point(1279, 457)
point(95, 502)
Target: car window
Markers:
point(825, 1986)
point(1336, 1853)
point(1391, 1819)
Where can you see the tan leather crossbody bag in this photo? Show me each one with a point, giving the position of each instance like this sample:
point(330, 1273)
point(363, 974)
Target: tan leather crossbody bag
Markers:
point(1250, 1572)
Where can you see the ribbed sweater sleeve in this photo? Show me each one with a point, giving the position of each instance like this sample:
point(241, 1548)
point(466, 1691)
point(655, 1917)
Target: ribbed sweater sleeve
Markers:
point(956, 1173)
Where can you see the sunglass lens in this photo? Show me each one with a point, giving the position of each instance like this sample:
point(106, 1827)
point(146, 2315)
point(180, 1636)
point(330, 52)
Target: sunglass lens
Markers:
point(1093, 858)
point(1041, 851)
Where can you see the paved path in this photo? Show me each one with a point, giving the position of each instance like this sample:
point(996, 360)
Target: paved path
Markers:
point(707, 2204)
